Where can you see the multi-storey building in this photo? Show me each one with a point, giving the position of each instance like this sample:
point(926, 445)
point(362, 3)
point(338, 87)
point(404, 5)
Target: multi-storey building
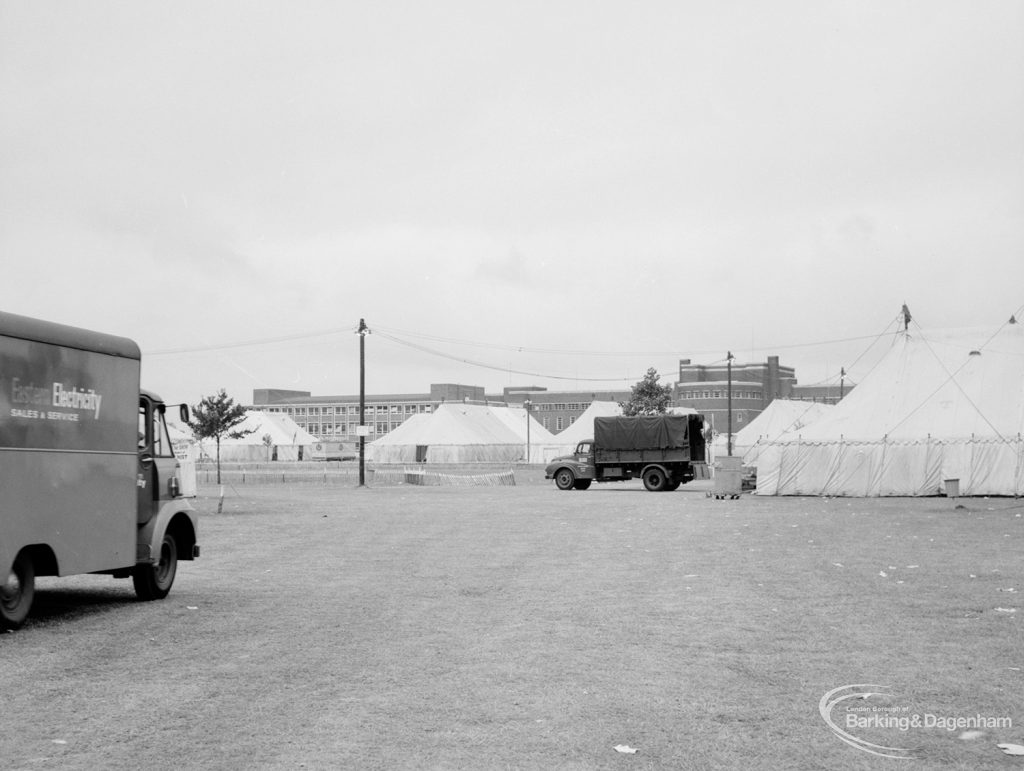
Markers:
point(704, 388)
point(707, 387)
point(557, 410)
point(336, 417)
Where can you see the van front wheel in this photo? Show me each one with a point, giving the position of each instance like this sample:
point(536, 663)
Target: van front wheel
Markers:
point(565, 479)
point(17, 592)
point(154, 581)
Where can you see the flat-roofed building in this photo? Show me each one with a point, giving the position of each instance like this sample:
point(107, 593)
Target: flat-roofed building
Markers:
point(702, 387)
point(336, 417)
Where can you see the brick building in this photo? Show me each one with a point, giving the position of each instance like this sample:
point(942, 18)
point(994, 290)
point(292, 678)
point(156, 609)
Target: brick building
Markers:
point(702, 387)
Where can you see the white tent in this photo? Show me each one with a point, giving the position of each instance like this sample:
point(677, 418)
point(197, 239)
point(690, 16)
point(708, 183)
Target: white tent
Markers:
point(461, 433)
point(564, 442)
point(274, 436)
point(938, 406)
point(780, 417)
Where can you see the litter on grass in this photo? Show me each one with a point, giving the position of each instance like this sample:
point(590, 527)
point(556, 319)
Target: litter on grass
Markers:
point(625, 749)
point(1011, 749)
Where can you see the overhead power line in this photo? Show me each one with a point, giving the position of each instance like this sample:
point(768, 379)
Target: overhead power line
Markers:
point(484, 365)
point(249, 343)
point(299, 336)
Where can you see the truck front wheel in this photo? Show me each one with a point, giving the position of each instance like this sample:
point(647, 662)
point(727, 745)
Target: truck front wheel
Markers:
point(154, 581)
point(565, 479)
point(655, 480)
point(17, 592)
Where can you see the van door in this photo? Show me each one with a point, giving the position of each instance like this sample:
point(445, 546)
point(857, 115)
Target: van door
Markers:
point(146, 481)
point(157, 462)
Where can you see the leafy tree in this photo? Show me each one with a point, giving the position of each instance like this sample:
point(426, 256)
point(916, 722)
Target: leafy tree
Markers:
point(647, 397)
point(215, 417)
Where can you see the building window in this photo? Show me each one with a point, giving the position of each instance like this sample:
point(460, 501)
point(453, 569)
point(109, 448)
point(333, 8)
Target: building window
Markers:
point(559, 423)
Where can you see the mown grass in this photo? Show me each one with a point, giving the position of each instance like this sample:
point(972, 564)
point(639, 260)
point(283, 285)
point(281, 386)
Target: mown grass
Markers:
point(479, 628)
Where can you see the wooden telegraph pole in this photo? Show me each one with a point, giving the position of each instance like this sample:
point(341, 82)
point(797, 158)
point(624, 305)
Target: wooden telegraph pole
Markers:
point(363, 331)
point(728, 359)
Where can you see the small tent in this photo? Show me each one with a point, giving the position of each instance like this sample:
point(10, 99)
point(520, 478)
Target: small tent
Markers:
point(461, 433)
point(565, 441)
point(780, 417)
point(938, 406)
point(274, 436)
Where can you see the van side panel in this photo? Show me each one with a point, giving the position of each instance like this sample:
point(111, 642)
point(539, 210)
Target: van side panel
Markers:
point(68, 453)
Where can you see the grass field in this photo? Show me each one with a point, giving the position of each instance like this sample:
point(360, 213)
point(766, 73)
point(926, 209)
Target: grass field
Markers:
point(523, 627)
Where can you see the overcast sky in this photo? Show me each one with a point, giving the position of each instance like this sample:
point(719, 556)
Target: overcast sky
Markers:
point(572, 189)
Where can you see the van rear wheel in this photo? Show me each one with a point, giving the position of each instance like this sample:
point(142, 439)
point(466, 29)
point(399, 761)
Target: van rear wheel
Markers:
point(17, 592)
point(655, 480)
point(154, 581)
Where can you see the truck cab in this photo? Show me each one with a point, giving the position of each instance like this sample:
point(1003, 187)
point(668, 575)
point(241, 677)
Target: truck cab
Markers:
point(166, 522)
point(576, 471)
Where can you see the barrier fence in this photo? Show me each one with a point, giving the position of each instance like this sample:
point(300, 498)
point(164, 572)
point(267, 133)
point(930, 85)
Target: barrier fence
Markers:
point(346, 475)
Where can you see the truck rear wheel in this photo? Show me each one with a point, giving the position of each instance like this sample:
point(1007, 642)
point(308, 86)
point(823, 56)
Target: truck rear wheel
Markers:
point(565, 479)
point(655, 480)
point(154, 581)
point(581, 484)
point(17, 592)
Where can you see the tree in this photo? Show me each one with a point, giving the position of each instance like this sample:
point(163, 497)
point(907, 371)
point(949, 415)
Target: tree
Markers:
point(647, 397)
point(215, 417)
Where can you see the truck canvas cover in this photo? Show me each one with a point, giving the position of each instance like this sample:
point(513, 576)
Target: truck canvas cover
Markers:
point(645, 432)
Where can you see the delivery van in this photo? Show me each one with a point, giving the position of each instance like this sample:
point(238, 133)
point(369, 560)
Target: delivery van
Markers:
point(88, 478)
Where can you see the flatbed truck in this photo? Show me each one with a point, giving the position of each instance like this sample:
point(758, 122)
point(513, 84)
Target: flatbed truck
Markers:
point(665, 451)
